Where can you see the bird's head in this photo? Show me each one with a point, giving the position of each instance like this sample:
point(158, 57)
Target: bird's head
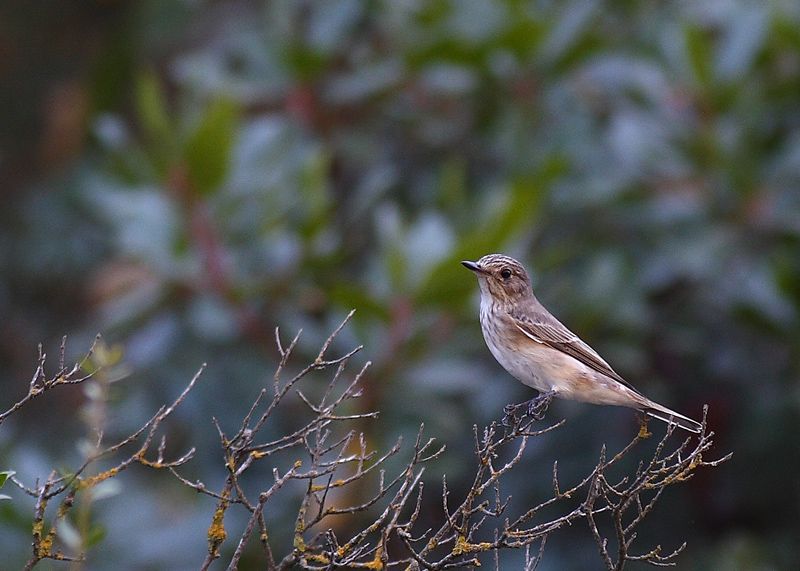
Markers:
point(501, 278)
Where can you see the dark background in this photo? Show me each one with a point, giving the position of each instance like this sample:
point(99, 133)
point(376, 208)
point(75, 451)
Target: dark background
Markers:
point(184, 176)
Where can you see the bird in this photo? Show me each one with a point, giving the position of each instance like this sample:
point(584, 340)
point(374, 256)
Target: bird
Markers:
point(538, 350)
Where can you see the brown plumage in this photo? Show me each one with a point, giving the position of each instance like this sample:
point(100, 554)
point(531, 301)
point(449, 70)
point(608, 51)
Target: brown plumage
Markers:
point(541, 352)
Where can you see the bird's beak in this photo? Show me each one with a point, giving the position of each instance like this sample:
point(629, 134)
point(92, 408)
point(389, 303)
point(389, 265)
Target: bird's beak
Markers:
point(473, 266)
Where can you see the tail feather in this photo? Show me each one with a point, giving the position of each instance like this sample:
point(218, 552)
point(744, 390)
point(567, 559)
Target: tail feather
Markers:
point(671, 417)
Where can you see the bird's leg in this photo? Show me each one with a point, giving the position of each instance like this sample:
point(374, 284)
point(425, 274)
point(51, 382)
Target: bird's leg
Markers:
point(538, 406)
point(535, 408)
point(510, 414)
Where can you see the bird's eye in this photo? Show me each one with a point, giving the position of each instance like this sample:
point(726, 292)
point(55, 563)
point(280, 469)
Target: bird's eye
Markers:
point(505, 273)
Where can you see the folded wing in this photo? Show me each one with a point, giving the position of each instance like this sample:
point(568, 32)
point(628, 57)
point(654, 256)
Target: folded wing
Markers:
point(549, 331)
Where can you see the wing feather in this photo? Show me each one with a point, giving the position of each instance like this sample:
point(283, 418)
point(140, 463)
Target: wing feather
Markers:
point(553, 333)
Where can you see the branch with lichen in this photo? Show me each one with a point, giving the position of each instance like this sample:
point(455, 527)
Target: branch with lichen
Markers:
point(66, 487)
point(329, 457)
point(342, 476)
point(478, 529)
point(42, 383)
point(471, 533)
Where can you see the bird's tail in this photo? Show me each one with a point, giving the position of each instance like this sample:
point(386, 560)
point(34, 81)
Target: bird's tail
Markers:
point(671, 417)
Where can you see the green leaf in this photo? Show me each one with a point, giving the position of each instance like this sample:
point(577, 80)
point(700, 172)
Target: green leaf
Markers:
point(396, 267)
point(153, 115)
point(96, 534)
point(208, 148)
point(523, 36)
point(5, 475)
point(151, 107)
point(699, 52)
point(346, 294)
point(453, 183)
point(314, 194)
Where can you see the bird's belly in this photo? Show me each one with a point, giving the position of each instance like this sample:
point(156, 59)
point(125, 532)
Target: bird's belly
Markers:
point(535, 366)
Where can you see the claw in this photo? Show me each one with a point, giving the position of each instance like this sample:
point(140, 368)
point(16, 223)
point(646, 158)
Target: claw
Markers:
point(538, 406)
point(534, 408)
point(509, 415)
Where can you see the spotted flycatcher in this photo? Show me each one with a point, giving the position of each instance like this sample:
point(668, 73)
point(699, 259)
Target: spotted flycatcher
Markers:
point(542, 353)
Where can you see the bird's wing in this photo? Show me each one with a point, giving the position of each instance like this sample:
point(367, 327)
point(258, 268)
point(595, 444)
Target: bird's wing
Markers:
point(549, 331)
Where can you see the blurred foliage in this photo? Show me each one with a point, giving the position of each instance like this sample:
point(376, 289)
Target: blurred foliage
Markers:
point(195, 173)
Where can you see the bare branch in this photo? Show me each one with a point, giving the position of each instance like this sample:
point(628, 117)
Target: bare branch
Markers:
point(327, 449)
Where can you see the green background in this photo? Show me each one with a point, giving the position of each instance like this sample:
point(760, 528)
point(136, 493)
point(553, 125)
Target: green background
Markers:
point(184, 176)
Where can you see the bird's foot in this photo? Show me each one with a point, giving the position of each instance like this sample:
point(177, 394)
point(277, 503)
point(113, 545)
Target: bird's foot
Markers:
point(510, 414)
point(534, 408)
point(538, 406)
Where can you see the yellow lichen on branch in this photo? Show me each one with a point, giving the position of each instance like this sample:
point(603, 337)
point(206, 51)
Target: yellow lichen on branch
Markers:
point(462, 546)
point(216, 531)
point(377, 561)
point(96, 479)
point(145, 462)
point(644, 433)
point(336, 484)
point(299, 543)
point(43, 544)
